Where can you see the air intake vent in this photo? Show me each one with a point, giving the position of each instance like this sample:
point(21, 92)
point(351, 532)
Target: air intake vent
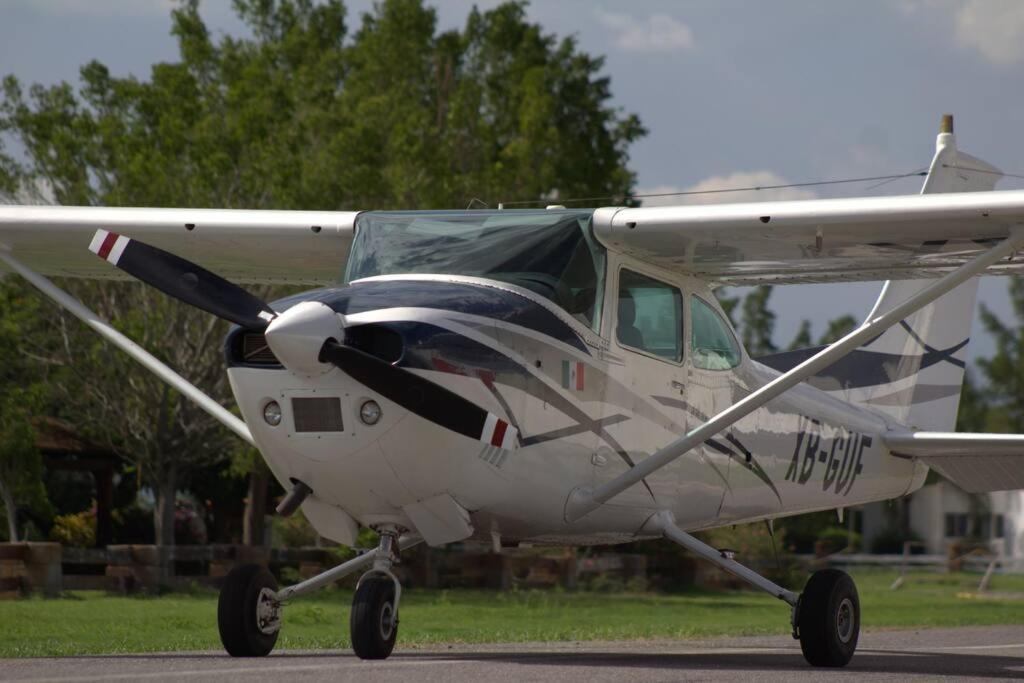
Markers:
point(255, 350)
point(317, 414)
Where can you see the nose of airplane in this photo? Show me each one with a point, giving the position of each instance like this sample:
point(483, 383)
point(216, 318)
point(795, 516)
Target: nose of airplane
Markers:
point(297, 336)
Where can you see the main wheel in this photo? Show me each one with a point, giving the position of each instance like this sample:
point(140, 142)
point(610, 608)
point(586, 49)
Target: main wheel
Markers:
point(829, 618)
point(374, 621)
point(248, 617)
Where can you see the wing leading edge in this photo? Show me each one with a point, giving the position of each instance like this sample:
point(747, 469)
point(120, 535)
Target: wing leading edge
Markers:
point(250, 246)
point(821, 240)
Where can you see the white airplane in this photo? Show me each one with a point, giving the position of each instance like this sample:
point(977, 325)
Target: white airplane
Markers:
point(566, 376)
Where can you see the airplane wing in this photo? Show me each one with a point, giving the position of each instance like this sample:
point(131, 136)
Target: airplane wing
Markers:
point(821, 240)
point(974, 462)
point(281, 247)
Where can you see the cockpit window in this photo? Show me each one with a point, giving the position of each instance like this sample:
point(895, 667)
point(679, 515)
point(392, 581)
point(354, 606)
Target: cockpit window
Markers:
point(551, 253)
point(650, 316)
point(714, 346)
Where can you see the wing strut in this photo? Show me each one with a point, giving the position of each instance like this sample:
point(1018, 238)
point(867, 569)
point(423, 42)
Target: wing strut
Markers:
point(584, 500)
point(105, 330)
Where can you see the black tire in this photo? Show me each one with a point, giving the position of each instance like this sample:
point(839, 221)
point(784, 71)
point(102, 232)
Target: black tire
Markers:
point(372, 623)
point(829, 618)
point(236, 612)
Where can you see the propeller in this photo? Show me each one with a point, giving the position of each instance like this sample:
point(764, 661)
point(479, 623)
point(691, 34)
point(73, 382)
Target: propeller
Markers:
point(183, 280)
point(304, 338)
point(419, 395)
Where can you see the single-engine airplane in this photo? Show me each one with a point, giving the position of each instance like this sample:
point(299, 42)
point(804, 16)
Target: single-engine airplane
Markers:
point(566, 376)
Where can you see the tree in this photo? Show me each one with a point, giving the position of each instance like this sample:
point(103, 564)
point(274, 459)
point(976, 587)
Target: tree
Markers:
point(20, 395)
point(1005, 370)
point(803, 336)
point(837, 329)
point(758, 322)
point(728, 304)
point(299, 114)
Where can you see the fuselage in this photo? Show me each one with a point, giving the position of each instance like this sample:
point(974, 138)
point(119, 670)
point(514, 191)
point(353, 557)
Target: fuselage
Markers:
point(583, 396)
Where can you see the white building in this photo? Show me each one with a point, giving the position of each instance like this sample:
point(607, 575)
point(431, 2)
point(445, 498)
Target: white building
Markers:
point(941, 513)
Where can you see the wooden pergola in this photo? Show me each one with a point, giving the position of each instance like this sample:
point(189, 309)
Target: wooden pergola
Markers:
point(63, 448)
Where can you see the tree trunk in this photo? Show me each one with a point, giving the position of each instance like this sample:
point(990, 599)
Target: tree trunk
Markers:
point(12, 513)
point(255, 505)
point(163, 513)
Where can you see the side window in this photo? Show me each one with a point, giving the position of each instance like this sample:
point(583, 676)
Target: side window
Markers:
point(714, 346)
point(650, 316)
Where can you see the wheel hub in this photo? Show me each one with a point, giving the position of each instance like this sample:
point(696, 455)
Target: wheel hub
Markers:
point(845, 620)
point(268, 612)
point(387, 620)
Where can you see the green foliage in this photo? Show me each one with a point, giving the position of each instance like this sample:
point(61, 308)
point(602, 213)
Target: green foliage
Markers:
point(294, 531)
point(750, 541)
point(728, 303)
point(802, 531)
point(1005, 370)
point(21, 396)
point(77, 530)
point(758, 322)
point(837, 329)
point(802, 340)
point(836, 539)
point(972, 415)
point(890, 541)
point(304, 114)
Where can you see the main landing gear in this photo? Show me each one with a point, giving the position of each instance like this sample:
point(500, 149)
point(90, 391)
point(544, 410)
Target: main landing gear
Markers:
point(825, 617)
point(249, 608)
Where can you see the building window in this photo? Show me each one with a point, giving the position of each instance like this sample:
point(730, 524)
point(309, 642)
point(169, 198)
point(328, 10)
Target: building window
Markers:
point(956, 525)
point(1000, 531)
point(983, 527)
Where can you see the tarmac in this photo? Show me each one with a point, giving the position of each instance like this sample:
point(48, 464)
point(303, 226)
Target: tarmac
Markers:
point(974, 653)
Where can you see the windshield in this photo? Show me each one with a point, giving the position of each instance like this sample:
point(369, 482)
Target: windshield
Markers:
point(549, 252)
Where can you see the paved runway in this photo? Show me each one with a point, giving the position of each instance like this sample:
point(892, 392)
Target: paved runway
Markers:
point(977, 652)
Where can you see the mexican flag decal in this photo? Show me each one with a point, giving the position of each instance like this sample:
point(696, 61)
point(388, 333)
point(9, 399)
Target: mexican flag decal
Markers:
point(572, 375)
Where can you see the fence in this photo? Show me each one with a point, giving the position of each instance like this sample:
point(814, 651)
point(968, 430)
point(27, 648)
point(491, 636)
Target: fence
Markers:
point(50, 569)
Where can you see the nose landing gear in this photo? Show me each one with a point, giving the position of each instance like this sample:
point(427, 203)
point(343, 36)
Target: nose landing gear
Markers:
point(249, 608)
point(373, 622)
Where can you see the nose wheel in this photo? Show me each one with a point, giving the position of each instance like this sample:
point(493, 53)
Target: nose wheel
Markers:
point(373, 621)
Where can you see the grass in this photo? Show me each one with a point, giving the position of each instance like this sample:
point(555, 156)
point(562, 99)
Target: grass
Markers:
point(94, 623)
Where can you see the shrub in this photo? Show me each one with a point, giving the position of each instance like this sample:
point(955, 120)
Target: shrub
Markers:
point(890, 542)
point(293, 532)
point(77, 530)
point(837, 539)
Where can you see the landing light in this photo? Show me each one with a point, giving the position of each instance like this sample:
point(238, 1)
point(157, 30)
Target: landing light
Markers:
point(369, 412)
point(272, 413)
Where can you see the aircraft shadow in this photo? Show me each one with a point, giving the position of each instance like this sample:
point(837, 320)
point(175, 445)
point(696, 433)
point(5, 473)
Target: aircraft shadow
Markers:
point(893, 662)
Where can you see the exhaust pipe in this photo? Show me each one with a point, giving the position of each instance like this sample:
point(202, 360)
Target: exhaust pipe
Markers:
point(293, 500)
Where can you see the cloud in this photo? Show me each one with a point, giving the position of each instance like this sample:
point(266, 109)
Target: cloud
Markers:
point(739, 179)
point(993, 28)
point(657, 33)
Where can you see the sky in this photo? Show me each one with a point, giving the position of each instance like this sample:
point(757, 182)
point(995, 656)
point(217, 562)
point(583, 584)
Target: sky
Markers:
point(734, 93)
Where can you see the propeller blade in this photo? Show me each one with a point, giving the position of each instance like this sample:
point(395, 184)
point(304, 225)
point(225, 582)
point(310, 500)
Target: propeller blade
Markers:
point(183, 280)
point(419, 395)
